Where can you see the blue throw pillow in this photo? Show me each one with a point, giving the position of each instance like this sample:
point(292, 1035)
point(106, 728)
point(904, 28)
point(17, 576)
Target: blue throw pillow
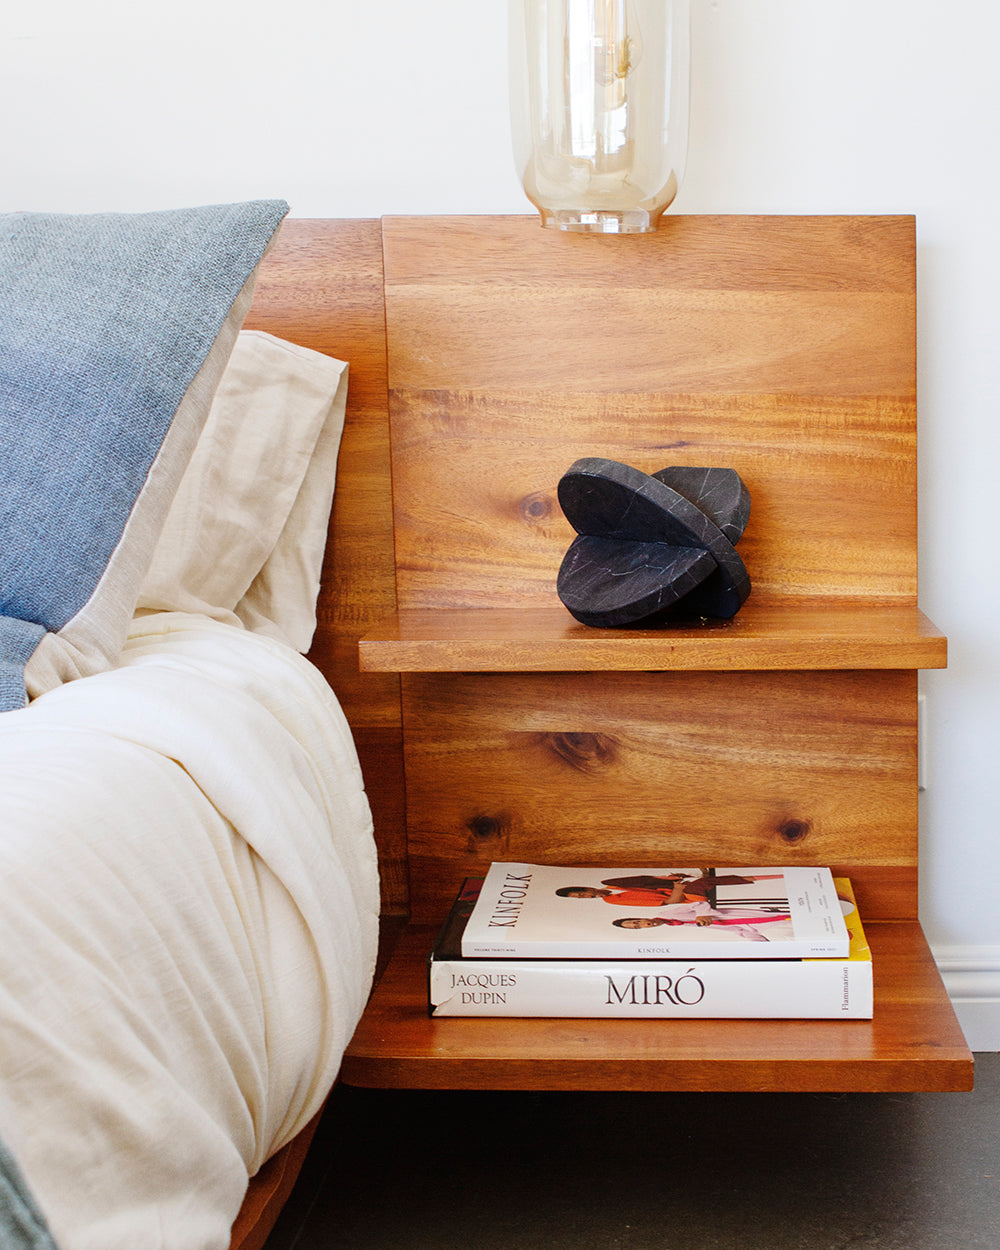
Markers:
point(114, 331)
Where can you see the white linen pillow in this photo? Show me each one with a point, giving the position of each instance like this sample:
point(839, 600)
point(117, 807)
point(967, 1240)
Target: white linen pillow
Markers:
point(244, 539)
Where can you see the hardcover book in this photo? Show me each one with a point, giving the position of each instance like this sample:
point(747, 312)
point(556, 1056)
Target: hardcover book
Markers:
point(718, 988)
point(537, 911)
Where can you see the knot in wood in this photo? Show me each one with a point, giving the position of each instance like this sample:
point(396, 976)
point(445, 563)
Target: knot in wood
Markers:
point(536, 507)
point(582, 751)
point(484, 828)
point(794, 830)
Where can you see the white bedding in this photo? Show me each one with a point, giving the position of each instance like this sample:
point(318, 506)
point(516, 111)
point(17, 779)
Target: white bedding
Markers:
point(188, 920)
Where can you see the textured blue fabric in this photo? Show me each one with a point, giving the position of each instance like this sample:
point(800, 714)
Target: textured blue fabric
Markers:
point(105, 319)
point(22, 1225)
point(18, 640)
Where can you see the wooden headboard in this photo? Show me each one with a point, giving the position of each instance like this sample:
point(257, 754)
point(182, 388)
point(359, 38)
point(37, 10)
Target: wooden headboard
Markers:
point(782, 347)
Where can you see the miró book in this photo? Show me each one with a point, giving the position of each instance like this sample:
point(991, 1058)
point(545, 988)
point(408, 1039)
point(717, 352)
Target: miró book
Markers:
point(840, 989)
point(537, 911)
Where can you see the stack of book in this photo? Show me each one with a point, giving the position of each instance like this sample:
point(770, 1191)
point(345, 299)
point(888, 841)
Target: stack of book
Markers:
point(764, 943)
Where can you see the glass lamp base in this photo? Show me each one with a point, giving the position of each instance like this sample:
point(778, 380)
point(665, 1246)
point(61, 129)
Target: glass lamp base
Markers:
point(599, 221)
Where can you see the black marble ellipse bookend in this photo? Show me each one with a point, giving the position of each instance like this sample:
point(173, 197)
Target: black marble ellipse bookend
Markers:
point(652, 547)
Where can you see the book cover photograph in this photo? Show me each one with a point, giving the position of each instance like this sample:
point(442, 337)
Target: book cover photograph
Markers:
point(826, 988)
point(546, 912)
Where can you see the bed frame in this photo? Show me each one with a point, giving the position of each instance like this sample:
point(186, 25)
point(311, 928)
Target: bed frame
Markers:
point(486, 355)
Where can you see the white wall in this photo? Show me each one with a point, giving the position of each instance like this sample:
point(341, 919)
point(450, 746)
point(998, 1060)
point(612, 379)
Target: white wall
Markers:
point(364, 107)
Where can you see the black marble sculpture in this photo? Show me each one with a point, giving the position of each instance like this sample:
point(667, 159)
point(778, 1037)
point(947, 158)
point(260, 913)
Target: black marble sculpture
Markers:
point(652, 547)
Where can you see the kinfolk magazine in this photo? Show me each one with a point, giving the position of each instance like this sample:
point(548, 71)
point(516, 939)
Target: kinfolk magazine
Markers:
point(840, 989)
point(536, 911)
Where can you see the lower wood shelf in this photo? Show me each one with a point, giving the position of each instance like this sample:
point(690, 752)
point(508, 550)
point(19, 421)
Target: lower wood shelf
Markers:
point(913, 1043)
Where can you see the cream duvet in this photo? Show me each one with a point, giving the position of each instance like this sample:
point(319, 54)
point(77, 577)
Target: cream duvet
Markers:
point(188, 917)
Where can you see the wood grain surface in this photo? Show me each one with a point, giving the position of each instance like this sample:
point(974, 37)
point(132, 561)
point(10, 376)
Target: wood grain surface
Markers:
point(781, 347)
point(664, 769)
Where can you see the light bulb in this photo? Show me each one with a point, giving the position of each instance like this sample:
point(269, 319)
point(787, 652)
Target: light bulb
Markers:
point(602, 48)
point(617, 47)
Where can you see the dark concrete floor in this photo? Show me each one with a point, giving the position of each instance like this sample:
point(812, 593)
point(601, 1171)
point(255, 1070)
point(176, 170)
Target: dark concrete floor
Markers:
point(551, 1171)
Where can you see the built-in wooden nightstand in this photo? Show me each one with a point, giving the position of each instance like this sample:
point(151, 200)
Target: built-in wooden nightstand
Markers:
point(783, 348)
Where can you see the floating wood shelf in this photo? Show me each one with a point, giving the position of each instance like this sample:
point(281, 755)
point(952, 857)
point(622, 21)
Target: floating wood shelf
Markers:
point(913, 1042)
point(766, 634)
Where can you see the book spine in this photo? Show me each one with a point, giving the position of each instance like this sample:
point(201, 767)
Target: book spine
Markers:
point(648, 949)
point(766, 989)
